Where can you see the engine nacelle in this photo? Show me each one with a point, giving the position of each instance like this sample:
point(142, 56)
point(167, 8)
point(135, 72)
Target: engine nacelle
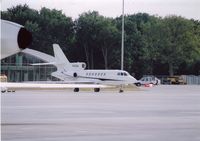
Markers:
point(78, 65)
point(75, 74)
point(70, 73)
point(14, 38)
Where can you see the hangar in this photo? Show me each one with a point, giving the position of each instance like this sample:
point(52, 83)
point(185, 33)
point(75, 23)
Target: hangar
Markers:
point(18, 67)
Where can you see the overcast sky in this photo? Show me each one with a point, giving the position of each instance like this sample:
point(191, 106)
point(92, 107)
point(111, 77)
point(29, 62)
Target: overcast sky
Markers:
point(112, 8)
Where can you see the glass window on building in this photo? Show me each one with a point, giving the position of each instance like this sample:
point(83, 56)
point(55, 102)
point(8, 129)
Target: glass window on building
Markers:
point(18, 68)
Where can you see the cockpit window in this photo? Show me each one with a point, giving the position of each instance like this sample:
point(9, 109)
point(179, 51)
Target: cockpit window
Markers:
point(83, 65)
point(122, 74)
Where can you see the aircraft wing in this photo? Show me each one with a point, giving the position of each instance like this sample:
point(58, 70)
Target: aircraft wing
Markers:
point(41, 64)
point(14, 86)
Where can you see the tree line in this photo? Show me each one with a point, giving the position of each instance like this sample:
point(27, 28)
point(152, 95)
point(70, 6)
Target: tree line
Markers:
point(153, 45)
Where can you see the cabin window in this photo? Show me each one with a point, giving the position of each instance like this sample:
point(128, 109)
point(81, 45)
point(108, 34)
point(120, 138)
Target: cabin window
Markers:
point(83, 66)
point(104, 74)
point(125, 74)
point(118, 73)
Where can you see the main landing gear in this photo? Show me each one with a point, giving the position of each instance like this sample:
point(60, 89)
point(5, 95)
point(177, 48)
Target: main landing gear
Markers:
point(121, 89)
point(96, 89)
point(76, 89)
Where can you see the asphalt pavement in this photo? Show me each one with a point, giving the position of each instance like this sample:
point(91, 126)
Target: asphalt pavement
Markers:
point(161, 113)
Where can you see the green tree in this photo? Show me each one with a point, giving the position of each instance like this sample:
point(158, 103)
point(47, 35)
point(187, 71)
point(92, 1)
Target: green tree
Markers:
point(108, 40)
point(55, 28)
point(180, 43)
point(20, 14)
point(88, 29)
point(152, 44)
point(134, 42)
point(152, 35)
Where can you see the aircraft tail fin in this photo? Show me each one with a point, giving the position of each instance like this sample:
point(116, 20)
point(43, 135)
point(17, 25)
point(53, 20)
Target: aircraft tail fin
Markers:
point(60, 59)
point(59, 55)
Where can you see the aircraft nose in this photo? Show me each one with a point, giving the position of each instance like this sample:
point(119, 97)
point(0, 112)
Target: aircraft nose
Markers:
point(132, 79)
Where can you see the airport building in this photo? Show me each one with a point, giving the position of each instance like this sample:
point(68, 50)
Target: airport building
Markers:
point(18, 68)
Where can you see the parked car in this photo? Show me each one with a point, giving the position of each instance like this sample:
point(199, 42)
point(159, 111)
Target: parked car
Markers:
point(149, 80)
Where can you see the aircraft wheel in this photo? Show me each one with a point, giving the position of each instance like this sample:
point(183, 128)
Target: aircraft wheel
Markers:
point(96, 89)
point(3, 91)
point(121, 91)
point(76, 89)
point(138, 84)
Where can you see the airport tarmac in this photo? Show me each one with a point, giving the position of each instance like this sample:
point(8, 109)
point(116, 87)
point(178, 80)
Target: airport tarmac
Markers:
point(161, 113)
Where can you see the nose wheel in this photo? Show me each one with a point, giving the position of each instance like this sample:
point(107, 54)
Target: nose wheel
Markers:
point(76, 89)
point(96, 89)
point(121, 89)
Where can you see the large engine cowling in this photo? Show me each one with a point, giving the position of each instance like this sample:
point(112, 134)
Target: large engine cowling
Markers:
point(75, 74)
point(14, 38)
point(78, 66)
point(71, 73)
point(65, 75)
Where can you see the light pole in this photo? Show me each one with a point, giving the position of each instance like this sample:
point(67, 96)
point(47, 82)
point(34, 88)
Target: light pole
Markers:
point(122, 45)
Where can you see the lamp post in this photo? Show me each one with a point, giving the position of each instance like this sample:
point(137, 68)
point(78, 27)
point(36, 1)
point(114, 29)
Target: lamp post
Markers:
point(122, 44)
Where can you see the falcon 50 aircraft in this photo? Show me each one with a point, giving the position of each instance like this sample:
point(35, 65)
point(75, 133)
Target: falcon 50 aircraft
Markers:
point(76, 72)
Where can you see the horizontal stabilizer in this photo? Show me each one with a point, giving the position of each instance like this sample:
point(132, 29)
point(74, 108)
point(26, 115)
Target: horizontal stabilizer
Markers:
point(42, 64)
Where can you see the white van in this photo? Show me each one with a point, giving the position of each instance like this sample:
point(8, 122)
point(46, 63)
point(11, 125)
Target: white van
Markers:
point(149, 80)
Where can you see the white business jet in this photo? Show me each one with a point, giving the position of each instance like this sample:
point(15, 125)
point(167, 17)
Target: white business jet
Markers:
point(76, 72)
